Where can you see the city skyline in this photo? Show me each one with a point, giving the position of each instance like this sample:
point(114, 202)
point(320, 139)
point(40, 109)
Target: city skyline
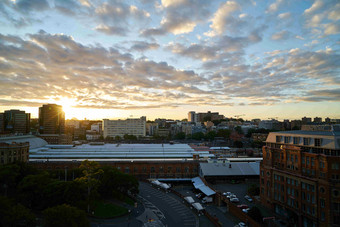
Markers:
point(162, 59)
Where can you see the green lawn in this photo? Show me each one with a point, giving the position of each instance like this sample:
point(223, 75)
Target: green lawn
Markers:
point(108, 210)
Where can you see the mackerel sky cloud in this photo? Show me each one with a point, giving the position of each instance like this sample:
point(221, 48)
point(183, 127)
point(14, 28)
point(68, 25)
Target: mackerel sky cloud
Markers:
point(165, 58)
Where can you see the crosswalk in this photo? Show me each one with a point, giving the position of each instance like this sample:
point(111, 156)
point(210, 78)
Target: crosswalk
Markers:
point(184, 214)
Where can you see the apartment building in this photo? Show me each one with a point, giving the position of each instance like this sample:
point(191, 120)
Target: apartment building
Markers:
point(130, 126)
point(300, 176)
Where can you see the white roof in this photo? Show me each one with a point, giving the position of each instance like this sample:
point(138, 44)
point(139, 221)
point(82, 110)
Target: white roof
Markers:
point(237, 169)
point(118, 151)
point(219, 148)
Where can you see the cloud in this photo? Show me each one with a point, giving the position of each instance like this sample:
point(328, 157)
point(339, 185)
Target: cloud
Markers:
point(274, 6)
point(223, 18)
point(96, 76)
point(323, 17)
point(322, 95)
point(282, 35)
point(285, 16)
point(180, 17)
point(144, 46)
point(112, 30)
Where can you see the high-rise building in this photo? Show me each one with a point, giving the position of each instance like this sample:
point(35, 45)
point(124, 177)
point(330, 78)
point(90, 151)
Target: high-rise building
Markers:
point(300, 175)
point(203, 117)
point(15, 121)
point(130, 126)
point(51, 119)
point(192, 116)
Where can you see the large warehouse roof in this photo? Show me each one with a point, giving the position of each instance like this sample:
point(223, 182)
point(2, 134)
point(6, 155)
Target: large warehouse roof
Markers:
point(118, 151)
point(230, 169)
point(34, 141)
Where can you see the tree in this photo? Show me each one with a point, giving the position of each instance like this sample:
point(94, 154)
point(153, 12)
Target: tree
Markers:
point(225, 133)
point(198, 136)
point(238, 144)
point(112, 181)
point(91, 171)
point(31, 190)
point(180, 136)
point(211, 135)
point(118, 138)
point(65, 215)
point(256, 214)
point(239, 130)
point(15, 214)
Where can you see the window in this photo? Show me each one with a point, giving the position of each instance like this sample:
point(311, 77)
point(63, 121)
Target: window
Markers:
point(169, 169)
point(152, 169)
point(322, 203)
point(317, 142)
point(307, 159)
point(178, 169)
point(303, 160)
point(287, 139)
point(322, 164)
point(278, 139)
point(312, 161)
point(322, 216)
point(335, 165)
point(296, 140)
point(306, 141)
point(322, 189)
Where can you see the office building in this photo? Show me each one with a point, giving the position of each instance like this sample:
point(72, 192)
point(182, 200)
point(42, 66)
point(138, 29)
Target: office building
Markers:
point(300, 176)
point(130, 126)
point(51, 119)
point(15, 121)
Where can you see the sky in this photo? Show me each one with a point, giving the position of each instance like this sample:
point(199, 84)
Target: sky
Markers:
point(161, 59)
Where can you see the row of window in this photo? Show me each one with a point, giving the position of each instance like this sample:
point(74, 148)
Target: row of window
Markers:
point(297, 140)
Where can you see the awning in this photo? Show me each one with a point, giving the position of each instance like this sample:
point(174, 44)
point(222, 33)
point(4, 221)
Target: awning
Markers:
point(199, 184)
point(189, 199)
point(197, 206)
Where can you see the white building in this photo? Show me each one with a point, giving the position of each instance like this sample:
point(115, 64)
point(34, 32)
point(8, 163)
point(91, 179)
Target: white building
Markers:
point(131, 126)
point(98, 127)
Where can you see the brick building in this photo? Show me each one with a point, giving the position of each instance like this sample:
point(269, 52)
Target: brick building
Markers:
point(12, 152)
point(299, 175)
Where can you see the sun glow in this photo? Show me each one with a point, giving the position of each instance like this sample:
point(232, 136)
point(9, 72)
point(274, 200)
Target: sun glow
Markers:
point(68, 107)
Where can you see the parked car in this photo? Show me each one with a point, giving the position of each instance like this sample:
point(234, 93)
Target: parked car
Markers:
point(246, 210)
point(247, 197)
point(243, 206)
point(199, 195)
point(227, 193)
point(242, 224)
point(234, 200)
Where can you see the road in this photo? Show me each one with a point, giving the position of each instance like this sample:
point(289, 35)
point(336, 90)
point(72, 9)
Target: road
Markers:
point(170, 210)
